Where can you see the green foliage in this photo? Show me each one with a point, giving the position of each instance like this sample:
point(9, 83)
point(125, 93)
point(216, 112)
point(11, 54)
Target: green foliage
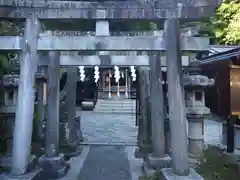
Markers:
point(233, 29)
point(7, 28)
point(215, 167)
point(143, 26)
point(156, 176)
point(224, 26)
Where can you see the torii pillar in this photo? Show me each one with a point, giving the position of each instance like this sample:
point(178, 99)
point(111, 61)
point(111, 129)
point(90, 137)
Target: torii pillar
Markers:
point(26, 97)
point(177, 116)
point(157, 159)
point(69, 144)
point(144, 122)
point(52, 162)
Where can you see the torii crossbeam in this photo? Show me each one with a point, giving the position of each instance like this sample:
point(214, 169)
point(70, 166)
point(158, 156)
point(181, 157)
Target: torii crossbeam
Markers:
point(127, 10)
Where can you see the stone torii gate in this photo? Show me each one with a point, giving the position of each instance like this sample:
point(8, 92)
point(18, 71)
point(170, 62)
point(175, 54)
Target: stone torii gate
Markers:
point(34, 42)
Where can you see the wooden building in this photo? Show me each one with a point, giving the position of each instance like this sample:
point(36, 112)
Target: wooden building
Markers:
point(224, 66)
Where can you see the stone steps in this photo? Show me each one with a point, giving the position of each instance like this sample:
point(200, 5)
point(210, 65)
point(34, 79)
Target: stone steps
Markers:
point(124, 106)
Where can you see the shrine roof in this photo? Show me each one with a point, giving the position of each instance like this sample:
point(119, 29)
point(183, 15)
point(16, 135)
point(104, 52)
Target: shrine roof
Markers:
point(215, 49)
point(220, 53)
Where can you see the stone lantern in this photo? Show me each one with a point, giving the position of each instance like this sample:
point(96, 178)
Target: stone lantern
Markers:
point(8, 109)
point(194, 84)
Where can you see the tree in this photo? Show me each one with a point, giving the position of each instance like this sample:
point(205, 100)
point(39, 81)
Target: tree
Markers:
point(224, 26)
point(233, 29)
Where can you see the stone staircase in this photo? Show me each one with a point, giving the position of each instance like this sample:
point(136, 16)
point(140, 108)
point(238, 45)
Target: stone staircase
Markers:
point(119, 106)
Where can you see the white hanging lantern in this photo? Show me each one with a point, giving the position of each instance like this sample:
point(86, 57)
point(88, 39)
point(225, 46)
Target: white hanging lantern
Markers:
point(116, 74)
point(122, 74)
point(82, 73)
point(96, 74)
point(133, 73)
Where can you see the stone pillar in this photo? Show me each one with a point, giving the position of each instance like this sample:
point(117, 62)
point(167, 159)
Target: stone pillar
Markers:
point(129, 86)
point(126, 84)
point(73, 133)
point(176, 102)
point(195, 107)
point(177, 116)
point(144, 137)
point(40, 109)
point(52, 163)
point(71, 87)
point(71, 107)
point(166, 117)
point(26, 97)
point(118, 89)
point(137, 115)
point(158, 158)
point(139, 121)
point(148, 127)
point(102, 29)
point(109, 85)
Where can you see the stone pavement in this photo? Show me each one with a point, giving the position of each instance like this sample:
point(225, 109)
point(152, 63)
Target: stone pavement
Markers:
point(109, 151)
point(109, 154)
point(100, 128)
point(105, 163)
